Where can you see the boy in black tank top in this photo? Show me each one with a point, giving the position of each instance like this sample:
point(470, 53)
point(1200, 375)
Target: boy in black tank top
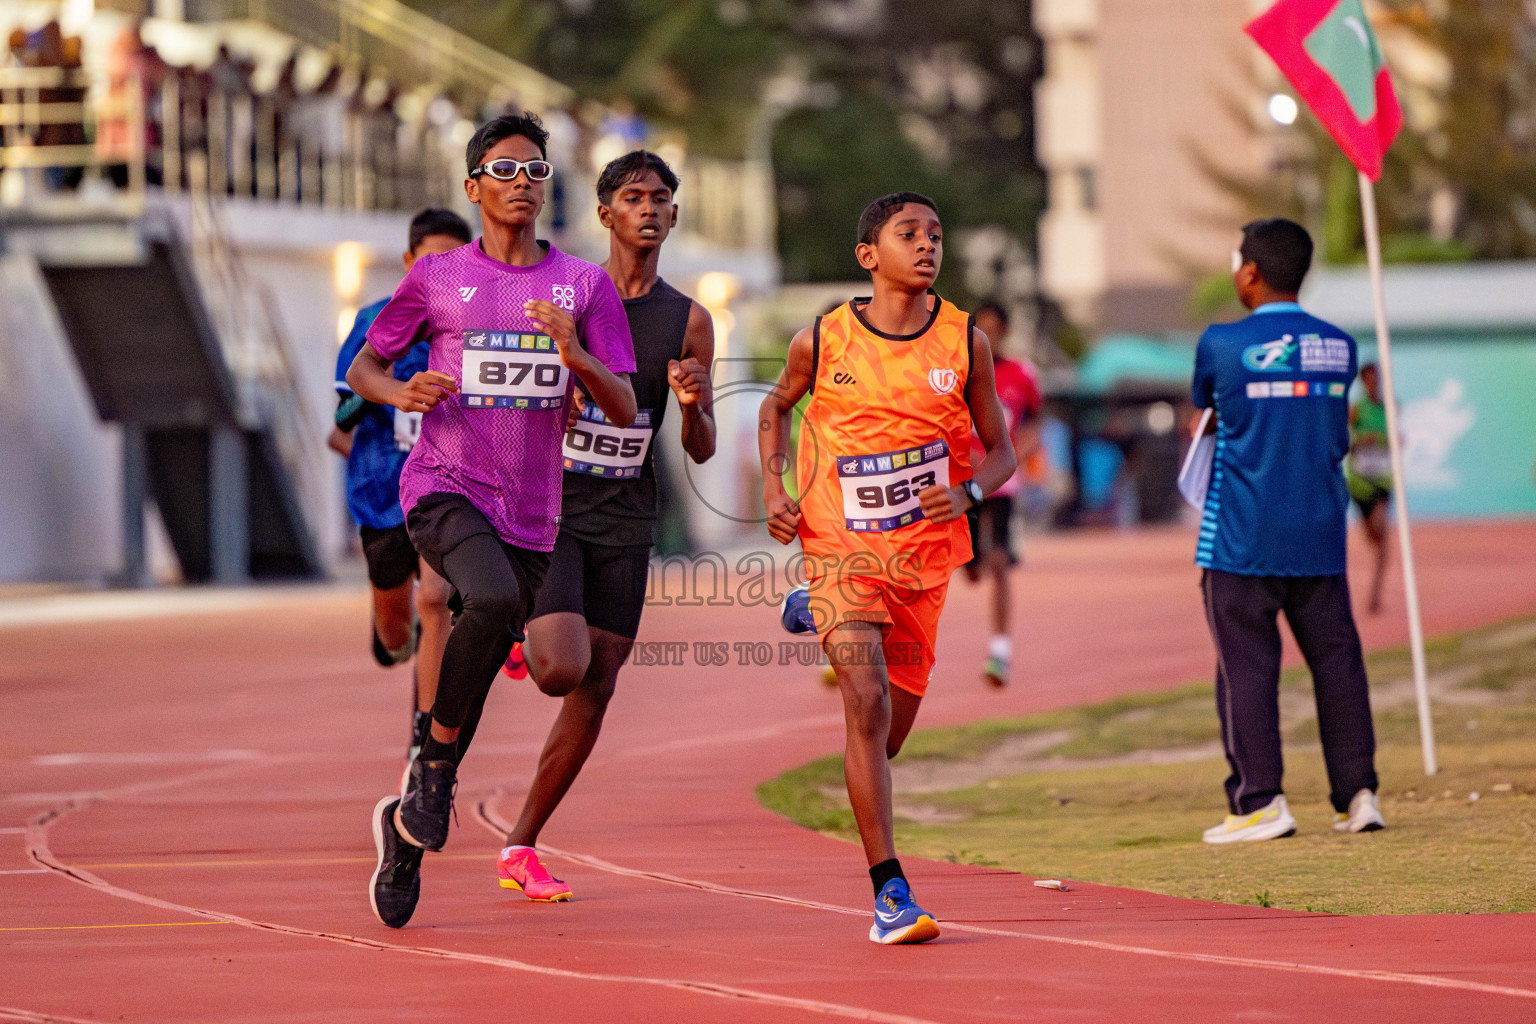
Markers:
point(587, 613)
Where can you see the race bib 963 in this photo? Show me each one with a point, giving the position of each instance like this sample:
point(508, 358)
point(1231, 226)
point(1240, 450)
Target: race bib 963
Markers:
point(880, 491)
point(506, 370)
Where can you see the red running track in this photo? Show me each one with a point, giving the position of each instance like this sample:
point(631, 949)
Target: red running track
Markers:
point(184, 833)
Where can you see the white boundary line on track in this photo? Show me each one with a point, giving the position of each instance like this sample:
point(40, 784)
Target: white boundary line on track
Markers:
point(486, 818)
point(11, 1013)
point(40, 852)
point(130, 605)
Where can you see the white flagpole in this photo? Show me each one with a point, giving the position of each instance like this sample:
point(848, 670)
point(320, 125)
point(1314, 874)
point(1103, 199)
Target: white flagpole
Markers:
point(1400, 498)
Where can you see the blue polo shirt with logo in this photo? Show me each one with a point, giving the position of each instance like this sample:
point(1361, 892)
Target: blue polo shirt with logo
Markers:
point(1279, 381)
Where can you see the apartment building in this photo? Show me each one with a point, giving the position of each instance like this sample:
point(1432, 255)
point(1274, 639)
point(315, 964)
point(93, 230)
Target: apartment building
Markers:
point(1132, 92)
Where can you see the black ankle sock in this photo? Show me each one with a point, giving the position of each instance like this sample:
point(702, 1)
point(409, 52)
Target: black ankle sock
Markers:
point(432, 749)
point(884, 872)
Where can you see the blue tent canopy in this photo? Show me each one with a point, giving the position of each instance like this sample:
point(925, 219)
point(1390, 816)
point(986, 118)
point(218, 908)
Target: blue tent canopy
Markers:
point(1122, 358)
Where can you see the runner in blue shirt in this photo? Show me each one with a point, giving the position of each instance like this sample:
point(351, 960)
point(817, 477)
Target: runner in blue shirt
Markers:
point(375, 440)
point(1272, 538)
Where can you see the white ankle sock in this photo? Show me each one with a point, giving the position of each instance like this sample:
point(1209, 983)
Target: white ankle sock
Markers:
point(1001, 648)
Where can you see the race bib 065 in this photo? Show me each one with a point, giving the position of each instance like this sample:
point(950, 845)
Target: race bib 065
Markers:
point(596, 446)
point(880, 491)
point(504, 370)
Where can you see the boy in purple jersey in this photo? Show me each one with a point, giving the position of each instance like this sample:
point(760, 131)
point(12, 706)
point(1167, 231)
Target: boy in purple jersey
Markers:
point(512, 319)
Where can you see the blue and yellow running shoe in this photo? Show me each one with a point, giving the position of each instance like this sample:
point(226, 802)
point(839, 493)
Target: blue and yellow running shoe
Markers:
point(898, 918)
point(795, 612)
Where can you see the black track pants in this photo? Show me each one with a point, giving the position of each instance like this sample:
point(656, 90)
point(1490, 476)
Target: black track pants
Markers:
point(1242, 612)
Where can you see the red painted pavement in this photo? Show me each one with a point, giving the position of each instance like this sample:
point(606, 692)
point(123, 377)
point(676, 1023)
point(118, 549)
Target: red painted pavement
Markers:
point(219, 873)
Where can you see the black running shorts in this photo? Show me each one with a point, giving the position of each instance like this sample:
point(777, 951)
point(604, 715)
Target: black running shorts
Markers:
point(990, 531)
point(441, 521)
point(603, 583)
point(390, 555)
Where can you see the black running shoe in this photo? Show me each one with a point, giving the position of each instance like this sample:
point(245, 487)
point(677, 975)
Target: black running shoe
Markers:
point(396, 883)
point(422, 817)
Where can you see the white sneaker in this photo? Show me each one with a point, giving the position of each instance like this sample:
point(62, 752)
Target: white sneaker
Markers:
point(1364, 814)
point(1273, 822)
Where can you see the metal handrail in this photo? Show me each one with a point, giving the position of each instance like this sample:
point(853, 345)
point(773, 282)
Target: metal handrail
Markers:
point(257, 352)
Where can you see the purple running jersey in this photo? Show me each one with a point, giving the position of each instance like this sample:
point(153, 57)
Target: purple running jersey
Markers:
point(498, 442)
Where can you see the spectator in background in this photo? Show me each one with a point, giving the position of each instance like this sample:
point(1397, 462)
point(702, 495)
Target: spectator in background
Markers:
point(564, 140)
point(281, 104)
point(131, 64)
point(380, 134)
point(51, 49)
point(991, 522)
point(625, 124)
point(190, 109)
point(231, 114)
point(1368, 471)
point(1272, 538)
point(319, 126)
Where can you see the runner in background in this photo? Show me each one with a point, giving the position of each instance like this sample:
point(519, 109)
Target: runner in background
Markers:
point(1368, 471)
point(991, 523)
point(587, 614)
point(375, 440)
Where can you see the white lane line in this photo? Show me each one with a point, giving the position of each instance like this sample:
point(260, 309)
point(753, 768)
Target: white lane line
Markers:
point(766, 732)
point(130, 605)
point(152, 785)
point(12, 831)
point(146, 757)
point(11, 1013)
point(25, 871)
point(486, 817)
point(38, 849)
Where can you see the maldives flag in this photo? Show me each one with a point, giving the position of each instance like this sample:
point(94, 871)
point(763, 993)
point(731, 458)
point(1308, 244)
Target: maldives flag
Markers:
point(1327, 50)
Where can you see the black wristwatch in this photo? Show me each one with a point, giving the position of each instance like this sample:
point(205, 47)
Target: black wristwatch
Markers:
point(973, 491)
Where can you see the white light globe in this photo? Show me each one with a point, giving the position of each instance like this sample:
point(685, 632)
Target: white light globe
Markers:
point(1283, 109)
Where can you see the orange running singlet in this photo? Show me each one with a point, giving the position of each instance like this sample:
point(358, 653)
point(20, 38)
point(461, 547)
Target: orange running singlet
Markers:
point(887, 418)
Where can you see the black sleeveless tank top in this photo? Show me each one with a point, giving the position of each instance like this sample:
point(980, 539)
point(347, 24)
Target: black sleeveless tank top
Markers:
point(598, 508)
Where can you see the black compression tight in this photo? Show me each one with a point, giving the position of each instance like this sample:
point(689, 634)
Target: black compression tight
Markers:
point(496, 600)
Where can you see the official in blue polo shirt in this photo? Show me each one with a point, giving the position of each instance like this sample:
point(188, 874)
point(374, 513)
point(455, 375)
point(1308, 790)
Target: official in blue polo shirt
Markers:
point(1272, 538)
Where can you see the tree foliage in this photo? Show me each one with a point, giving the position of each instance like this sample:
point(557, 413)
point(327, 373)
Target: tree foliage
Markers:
point(1459, 182)
point(910, 94)
point(1482, 147)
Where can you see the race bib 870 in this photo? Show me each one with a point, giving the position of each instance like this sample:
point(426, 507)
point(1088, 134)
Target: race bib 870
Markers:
point(880, 491)
point(597, 446)
point(506, 370)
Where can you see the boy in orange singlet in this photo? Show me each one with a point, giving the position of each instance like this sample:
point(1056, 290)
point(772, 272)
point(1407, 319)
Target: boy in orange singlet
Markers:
point(885, 480)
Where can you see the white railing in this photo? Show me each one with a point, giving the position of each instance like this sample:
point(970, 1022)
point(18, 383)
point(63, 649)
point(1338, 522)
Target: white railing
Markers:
point(61, 120)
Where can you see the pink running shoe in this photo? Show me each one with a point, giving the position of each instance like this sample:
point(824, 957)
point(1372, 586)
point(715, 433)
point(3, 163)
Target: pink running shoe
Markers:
point(519, 868)
point(516, 667)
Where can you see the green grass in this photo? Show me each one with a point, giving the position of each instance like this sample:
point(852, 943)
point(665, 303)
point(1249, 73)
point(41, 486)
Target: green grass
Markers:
point(1138, 825)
